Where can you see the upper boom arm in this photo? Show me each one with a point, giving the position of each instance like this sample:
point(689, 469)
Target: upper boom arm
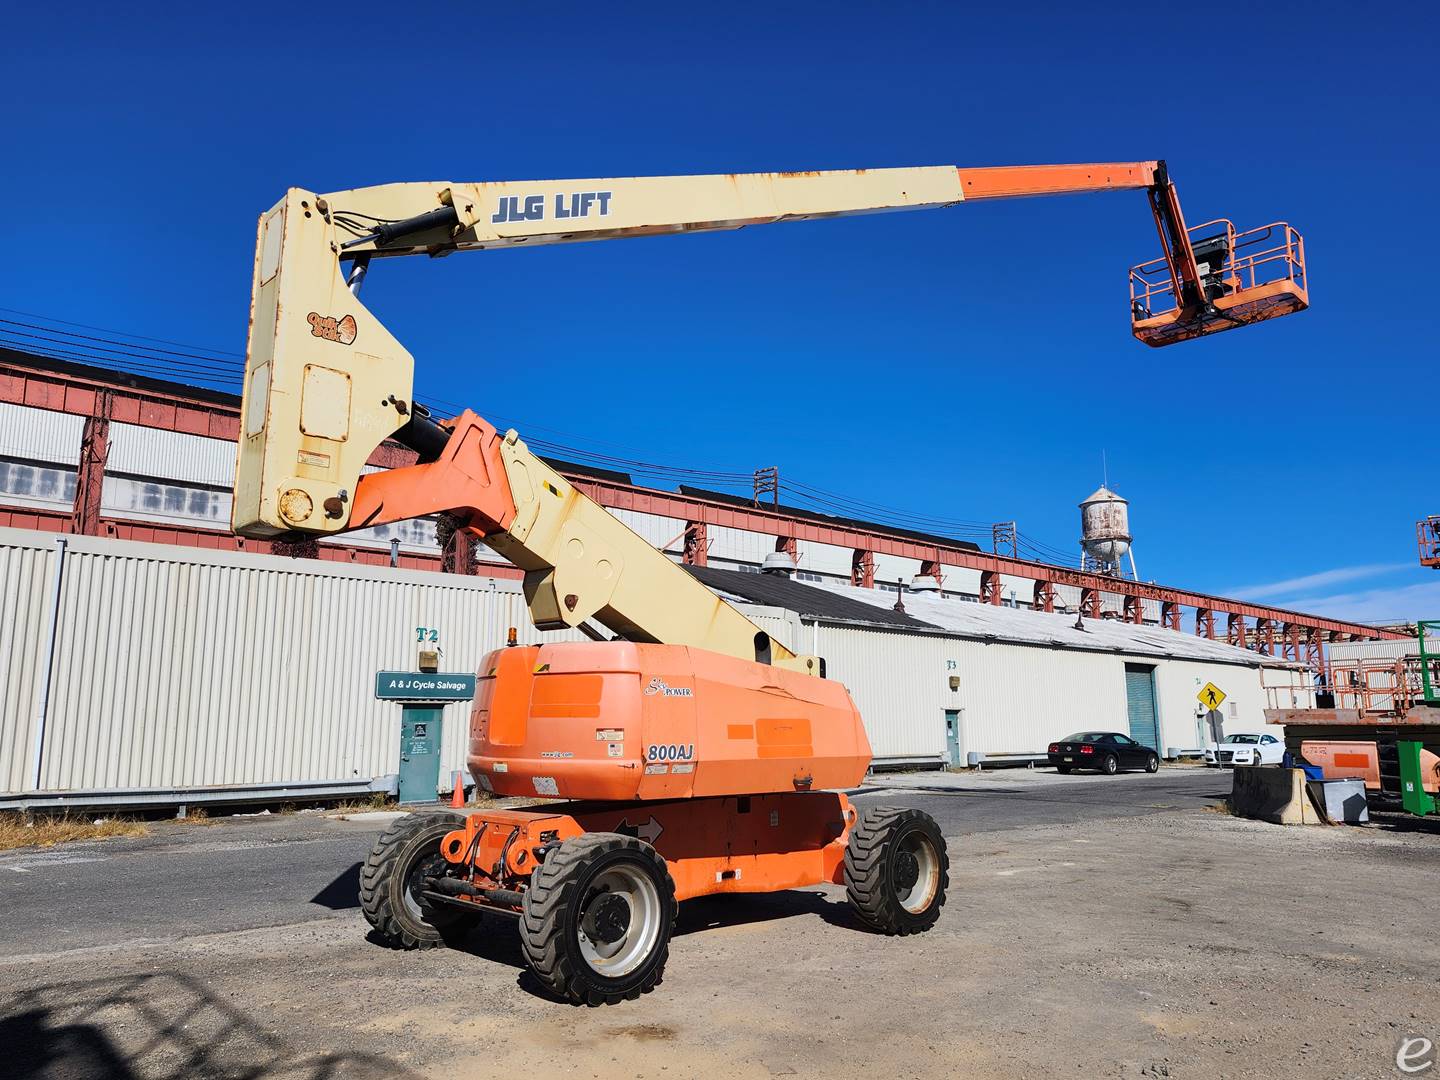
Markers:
point(326, 383)
point(463, 217)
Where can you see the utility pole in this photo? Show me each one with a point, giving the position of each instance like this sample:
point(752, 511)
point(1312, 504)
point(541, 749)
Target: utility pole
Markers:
point(1005, 534)
point(767, 482)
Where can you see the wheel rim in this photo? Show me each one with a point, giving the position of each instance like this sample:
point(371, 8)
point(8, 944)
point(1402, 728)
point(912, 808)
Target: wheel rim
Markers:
point(916, 872)
point(1111, 764)
point(619, 922)
point(427, 865)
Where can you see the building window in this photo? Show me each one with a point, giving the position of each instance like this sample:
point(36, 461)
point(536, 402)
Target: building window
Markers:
point(46, 485)
point(806, 575)
point(416, 533)
point(160, 501)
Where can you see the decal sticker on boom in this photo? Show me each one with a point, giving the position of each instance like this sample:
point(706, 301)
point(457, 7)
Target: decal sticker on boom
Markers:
point(566, 204)
point(329, 328)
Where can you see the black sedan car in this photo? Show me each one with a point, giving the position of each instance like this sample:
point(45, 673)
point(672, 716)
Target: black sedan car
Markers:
point(1105, 751)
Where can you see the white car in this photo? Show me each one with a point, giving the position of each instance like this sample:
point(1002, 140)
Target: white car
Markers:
point(1245, 749)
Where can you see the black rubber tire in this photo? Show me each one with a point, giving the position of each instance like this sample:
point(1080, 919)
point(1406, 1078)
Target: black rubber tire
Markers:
point(552, 909)
point(870, 868)
point(1063, 770)
point(1152, 763)
point(1111, 765)
point(409, 842)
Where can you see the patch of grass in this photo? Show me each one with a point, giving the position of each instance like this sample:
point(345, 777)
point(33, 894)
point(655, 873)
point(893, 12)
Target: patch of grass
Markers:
point(380, 801)
point(195, 815)
point(377, 801)
point(21, 830)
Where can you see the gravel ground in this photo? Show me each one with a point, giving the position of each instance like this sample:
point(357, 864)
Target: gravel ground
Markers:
point(1183, 944)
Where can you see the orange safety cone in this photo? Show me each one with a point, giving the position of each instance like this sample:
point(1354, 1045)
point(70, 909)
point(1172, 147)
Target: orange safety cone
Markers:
point(457, 800)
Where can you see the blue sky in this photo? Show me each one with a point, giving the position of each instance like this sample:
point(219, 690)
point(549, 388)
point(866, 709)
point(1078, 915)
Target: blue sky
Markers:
point(967, 365)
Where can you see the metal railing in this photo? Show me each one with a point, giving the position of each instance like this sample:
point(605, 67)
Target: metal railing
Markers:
point(1271, 253)
point(1380, 686)
point(1428, 662)
point(1427, 539)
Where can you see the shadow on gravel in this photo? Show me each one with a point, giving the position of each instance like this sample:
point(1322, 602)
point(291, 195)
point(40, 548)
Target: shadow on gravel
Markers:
point(707, 913)
point(743, 909)
point(157, 1025)
point(341, 894)
point(1400, 822)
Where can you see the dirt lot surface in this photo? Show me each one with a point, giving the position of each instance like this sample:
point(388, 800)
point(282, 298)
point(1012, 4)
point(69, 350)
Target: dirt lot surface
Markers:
point(1183, 943)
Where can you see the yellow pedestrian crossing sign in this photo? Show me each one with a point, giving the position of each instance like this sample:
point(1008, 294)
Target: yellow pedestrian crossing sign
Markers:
point(1211, 696)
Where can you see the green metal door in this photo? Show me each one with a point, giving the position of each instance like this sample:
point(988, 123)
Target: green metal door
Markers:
point(419, 752)
point(1140, 705)
point(952, 735)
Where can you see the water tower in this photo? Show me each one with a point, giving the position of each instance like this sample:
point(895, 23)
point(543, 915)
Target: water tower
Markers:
point(1105, 534)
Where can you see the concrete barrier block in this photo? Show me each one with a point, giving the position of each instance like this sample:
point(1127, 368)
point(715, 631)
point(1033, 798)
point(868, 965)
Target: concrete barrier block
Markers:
point(1274, 795)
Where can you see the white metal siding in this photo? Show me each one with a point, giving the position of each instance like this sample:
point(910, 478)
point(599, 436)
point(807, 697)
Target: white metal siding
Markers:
point(1018, 699)
point(1177, 682)
point(825, 558)
point(892, 568)
point(181, 667)
point(1015, 698)
point(899, 684)
point(26, 578)
point(738, 545)
point(40, 435)
point(1393, 649)
point(659, 532)
point(170, 455)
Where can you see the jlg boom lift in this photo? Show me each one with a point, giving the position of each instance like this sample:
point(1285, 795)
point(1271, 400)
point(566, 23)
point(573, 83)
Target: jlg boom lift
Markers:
point(691, 752)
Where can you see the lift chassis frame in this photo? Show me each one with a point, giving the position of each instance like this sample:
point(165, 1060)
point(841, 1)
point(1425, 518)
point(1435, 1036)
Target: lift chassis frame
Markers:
point(723, 844)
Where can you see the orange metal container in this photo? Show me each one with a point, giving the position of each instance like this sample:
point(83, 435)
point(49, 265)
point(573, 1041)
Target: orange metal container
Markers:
point(1341, 760)
point(618, 721)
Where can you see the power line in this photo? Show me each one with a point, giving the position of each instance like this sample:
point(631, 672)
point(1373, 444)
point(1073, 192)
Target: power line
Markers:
point(108, 348)
point(121, 333)
point(120, 348)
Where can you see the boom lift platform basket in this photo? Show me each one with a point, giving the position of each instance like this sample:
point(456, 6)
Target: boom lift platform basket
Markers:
point(1244, 278)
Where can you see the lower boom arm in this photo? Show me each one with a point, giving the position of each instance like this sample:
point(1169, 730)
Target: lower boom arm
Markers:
point(580, 562)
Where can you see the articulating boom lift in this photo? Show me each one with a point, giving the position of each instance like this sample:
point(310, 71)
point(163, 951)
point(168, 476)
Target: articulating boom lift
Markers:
point(699, 755)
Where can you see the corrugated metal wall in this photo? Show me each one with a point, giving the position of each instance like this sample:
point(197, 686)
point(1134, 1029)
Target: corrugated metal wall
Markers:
point(1014, 698)
point(173, 455)
point(1178, 682)
point(178, 667)
point(26, 578)
point(40, 435)
point(1018, 699)
point(898, 683)
point(1395, 649)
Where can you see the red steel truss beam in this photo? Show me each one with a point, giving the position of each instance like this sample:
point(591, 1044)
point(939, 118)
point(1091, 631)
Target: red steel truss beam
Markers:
point(148, 532)
point(696, 508)
point(81, 395)
point(172, 411)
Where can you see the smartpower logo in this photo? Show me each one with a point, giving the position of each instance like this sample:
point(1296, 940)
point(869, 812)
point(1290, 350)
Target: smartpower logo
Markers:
point(664, 689)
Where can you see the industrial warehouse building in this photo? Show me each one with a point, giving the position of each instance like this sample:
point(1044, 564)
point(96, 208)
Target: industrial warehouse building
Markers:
point(152, 673)
point(148, 654)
